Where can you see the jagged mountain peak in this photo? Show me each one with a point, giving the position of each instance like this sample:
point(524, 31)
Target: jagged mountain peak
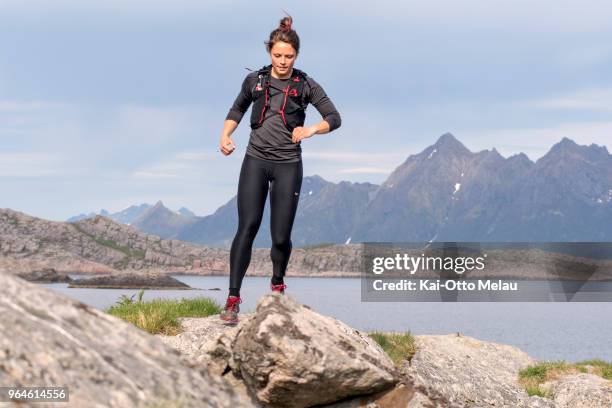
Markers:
point(186, 212)
point(314, 183)
point(136, 206)
point(448, 143)
point(564, 144)
point(520, 156)
point(493, 153)
point(159, 207)
point(315, 178)
point(569, 148)
point(447, 137)
point(602, 149)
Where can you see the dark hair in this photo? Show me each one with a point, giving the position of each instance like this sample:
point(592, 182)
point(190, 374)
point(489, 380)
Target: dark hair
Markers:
point(284, 33)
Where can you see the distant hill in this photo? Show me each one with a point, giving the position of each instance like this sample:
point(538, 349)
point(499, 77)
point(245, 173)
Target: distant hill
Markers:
point(126, 216)
point(134, 212)
point(102, 245)
point(161, 221)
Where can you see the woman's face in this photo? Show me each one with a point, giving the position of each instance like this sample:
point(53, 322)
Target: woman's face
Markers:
point(283, 57)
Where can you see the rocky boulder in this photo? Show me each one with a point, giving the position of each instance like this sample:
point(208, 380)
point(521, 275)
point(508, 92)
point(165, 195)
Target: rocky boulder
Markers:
point(104, 361)
point(271, 351)
point(580, 390)
point(459, 371)
point(291, 356)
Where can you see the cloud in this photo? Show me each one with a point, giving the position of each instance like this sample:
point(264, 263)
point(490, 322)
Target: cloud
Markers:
point(568, 16)
point(153, 175)
point(537, 16)
point(596, 99)
point(33, 164)
point(141, 6)
point(366, 170)
point(13, 107)
point(585, 55)
point(155, 125)
point(349, 157)
point(184, 165)
point(536, 141)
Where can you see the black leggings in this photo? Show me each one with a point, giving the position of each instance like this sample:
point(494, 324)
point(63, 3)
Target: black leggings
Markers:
point(285, 181)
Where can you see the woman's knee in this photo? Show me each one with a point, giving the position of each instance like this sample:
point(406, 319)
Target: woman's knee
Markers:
point(282, 243)
point(249, 229)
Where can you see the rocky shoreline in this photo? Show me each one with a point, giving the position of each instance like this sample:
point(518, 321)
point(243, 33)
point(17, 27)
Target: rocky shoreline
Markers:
point(47, 275)
point(283, 355)
point(102, 246)
point(271, 350)
point(130, 281)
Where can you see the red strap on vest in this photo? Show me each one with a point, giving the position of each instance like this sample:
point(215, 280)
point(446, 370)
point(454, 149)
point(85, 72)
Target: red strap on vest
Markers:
point(263, 110)
point(282, 110)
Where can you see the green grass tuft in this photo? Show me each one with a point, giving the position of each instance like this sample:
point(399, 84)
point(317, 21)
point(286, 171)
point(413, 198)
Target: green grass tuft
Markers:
point(600, 367)
point(160, 316)
point(399, 346)
point(540, 371)
point(533, 376)
point(535, 390)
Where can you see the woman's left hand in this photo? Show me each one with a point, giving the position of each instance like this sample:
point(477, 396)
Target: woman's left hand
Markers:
point(300, 133)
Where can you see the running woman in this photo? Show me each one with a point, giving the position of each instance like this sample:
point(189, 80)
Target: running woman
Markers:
point(280, 94)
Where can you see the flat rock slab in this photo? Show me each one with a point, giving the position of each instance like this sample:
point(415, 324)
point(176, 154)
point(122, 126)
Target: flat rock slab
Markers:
point(49, 340)
point(460, 371)
point(130, 281)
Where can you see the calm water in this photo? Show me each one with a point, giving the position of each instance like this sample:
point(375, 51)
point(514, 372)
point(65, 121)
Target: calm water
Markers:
point(552, 331)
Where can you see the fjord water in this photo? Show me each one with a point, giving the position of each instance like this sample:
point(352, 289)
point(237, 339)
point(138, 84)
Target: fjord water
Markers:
point(571, 331)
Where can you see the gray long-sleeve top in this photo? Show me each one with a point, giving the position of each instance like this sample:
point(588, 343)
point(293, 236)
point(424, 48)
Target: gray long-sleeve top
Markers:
point(272, 140)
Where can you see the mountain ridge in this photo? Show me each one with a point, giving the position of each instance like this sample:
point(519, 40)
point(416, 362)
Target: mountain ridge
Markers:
point(444, 192)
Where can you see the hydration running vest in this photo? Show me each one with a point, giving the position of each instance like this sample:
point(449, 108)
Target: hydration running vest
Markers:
point(293, 109)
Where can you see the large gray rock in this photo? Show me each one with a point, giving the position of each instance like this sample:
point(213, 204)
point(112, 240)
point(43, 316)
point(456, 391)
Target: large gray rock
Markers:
point(460, 371)
point(290, 356)
point(580, 390)
point(49, 340)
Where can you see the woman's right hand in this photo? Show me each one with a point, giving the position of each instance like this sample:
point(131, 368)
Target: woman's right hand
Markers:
point(227, 145)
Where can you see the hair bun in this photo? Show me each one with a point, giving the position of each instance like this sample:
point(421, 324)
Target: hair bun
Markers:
point(285, 24)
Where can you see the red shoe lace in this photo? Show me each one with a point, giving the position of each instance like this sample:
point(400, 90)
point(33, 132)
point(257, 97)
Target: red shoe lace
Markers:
point(231, 301)
point(278, 288)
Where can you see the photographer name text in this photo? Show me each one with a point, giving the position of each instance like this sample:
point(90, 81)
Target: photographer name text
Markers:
point(438, 284)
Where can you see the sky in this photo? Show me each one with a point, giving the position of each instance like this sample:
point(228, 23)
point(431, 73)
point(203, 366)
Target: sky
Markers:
point(106, 104)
